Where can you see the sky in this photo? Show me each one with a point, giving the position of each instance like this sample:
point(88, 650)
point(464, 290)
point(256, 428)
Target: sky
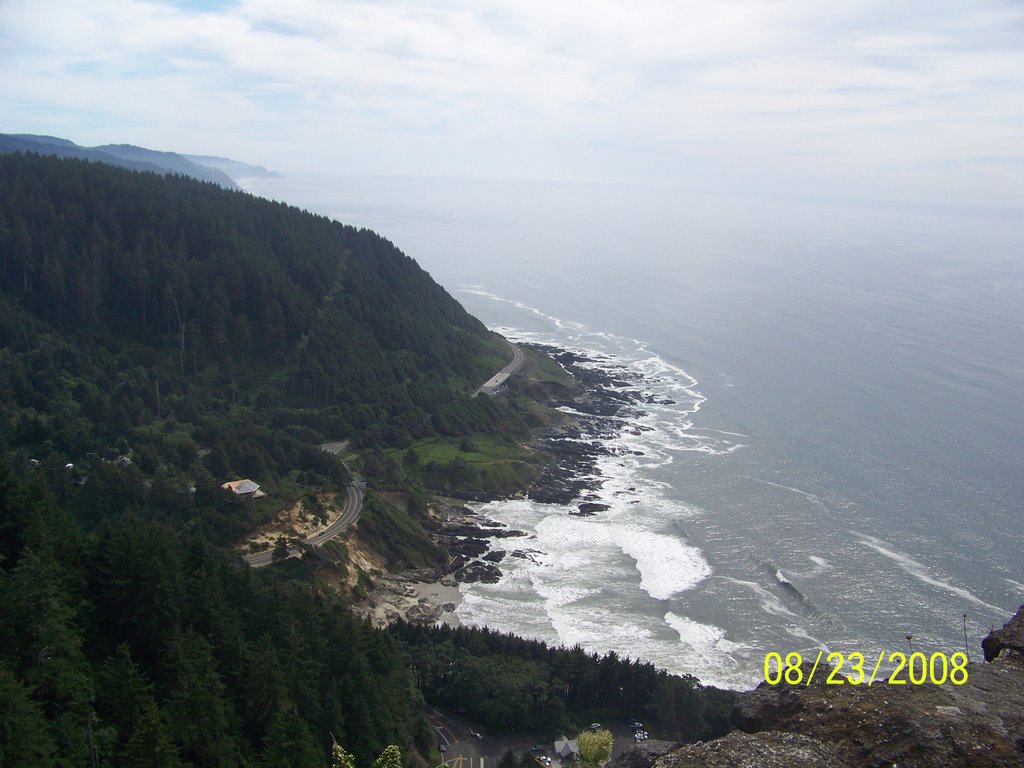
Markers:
point(900, 98)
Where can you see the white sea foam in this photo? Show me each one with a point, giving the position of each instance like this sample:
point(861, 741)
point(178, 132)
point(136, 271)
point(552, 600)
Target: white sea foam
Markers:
point(918, 570)
point(806, 494)
point(600, 632)
point(704, 647)
point(1013, 583)
point(731, 434)
point(795, 630)
point(595, 578)
point(560, 324)
point(820, 566)
point(667, 565)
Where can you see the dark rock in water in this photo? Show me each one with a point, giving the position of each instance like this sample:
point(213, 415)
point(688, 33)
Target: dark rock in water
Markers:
point(526, 554)
point(570, 474)
point(769, 749)
point(477, 571)
point(495, 557)
point(1009, 638)
point(463, 546)
point(590, 507)
point(582, 514)
point(481, 532)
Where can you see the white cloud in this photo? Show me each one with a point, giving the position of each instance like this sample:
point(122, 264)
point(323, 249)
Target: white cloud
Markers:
point(652, 90)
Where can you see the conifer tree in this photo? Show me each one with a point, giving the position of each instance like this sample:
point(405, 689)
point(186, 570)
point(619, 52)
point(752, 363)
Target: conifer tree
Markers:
point(24, 738)
point(150, 745)
point(391, 757)
point(289, 743)
point(340, 758)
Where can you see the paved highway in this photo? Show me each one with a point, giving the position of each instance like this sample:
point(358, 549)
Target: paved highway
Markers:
point(499, 378)
point(353, 506)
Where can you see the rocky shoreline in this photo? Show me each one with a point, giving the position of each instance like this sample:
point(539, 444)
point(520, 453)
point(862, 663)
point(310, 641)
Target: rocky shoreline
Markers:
point(431, 595)
point(598, 406)
point(606, 397)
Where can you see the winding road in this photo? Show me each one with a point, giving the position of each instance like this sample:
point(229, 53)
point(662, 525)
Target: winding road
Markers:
point(353, 506)
point(489, 386)
point(354, 501)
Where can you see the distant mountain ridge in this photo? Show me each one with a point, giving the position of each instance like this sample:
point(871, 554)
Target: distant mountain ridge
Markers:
point(234, 168)
point(221, 171)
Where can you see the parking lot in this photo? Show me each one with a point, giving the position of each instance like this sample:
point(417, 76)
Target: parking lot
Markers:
point(460, 741)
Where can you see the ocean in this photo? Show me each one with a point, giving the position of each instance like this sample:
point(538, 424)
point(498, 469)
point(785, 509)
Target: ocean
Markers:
point(834, 458)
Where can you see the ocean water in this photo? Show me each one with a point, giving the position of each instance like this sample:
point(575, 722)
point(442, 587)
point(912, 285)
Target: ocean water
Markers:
point(842, 462)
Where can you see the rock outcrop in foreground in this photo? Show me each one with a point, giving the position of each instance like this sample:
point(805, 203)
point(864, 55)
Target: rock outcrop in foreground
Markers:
point(978, 724)
point(1009, 638)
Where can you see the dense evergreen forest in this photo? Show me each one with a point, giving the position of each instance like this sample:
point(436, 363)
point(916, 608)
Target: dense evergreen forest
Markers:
point(147, 646)
point(506, 683)
point(159, 335)
point(160, 315)
point(150, 647)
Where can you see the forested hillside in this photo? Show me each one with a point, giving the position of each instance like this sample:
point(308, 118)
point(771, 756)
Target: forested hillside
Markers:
point(506, 683)
point(149, 647)
point(144, 644)
point(158, 335)
point(157, 316)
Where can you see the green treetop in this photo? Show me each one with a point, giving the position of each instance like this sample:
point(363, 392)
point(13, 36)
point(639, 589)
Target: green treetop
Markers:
point(595, 747)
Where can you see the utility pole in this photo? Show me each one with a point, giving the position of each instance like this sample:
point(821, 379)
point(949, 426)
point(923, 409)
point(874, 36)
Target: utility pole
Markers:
point(967, 649)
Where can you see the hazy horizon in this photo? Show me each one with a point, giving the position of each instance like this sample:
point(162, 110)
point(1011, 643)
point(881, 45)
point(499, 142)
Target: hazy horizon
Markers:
point(857, 99)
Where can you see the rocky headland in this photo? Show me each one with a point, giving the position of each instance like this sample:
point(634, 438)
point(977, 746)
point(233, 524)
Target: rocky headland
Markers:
point(594, 408)
point(603, 397)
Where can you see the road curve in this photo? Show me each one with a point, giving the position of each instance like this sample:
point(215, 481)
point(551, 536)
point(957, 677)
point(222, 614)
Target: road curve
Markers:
point(499, 378)
point(353, 507)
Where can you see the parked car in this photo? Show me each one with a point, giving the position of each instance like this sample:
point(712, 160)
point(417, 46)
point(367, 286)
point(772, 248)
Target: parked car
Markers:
point(537, 748)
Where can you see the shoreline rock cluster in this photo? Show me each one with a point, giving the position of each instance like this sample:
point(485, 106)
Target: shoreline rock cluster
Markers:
point(607, 395)
point(603, 397)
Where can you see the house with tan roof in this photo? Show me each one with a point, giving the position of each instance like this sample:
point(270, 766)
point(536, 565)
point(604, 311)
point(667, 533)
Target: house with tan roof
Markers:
point(244, 489)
